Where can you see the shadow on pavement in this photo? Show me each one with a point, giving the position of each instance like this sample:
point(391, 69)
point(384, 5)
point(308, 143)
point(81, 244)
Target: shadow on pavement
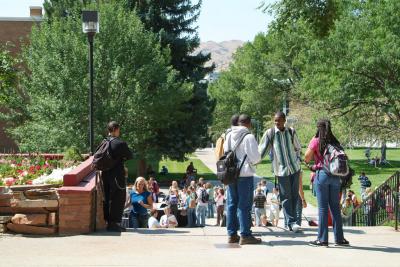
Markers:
point(156, 231)
point(376, 248)
point(288, 243)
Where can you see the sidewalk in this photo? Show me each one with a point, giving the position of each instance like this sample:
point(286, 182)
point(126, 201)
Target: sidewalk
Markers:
point(371, 247)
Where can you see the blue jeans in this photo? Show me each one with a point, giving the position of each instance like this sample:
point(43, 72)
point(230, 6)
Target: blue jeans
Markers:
point(138, 220)
point(201, 215)
point(259, 212)
point(299, 211)
point(210, 209)
point(328, 189)
point(239, 203)
point(289, 195)
point(191, 215)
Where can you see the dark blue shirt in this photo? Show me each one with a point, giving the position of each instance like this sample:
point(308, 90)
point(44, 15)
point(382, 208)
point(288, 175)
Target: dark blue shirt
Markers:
point(136, 198)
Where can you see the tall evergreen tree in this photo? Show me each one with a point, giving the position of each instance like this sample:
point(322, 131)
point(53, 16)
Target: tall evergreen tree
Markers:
point(172, 21)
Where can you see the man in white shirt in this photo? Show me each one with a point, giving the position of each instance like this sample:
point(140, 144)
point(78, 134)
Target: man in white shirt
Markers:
point(240, 194)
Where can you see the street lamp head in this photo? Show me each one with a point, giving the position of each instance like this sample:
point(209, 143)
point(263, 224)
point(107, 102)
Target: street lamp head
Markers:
point(90, 21)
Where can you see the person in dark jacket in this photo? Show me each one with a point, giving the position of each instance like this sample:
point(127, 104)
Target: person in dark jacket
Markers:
point(114, 182)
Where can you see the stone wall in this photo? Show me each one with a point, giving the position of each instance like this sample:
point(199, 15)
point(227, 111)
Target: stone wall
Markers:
point(78, 213)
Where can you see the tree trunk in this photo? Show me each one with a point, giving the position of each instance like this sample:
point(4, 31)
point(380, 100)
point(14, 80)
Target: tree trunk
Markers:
point(383, 152)
point(142, 168)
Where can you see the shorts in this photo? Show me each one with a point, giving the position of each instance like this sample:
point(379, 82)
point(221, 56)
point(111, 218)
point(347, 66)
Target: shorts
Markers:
point(273, 215)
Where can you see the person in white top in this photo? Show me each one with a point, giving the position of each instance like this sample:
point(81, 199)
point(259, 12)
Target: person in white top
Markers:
point(153, 222)
point(240, 194)
point(274, 208)
point(168, 220)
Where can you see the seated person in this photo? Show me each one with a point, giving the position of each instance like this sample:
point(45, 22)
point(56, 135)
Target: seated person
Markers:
point(190, 169)
point(168, 220)
point(164, 170)
point(153, 222)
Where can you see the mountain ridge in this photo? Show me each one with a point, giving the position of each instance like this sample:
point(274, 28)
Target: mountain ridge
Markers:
point(221, 52)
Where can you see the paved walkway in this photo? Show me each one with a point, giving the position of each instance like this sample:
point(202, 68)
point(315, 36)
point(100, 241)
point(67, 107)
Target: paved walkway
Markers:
point(371, 247)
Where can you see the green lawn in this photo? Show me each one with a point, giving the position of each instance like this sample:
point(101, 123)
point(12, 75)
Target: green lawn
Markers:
point(357, 162)
point(178, 169)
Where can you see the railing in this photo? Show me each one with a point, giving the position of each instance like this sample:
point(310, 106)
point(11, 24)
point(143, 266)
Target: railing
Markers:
point(381, 206)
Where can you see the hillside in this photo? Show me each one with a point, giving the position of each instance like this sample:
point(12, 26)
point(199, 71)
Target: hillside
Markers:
point(221, 53)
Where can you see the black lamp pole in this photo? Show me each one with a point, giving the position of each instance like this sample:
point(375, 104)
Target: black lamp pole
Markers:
point(91, 74)
point(90, 25)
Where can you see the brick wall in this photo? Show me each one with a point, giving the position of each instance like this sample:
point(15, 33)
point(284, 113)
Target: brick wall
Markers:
point(77, 210)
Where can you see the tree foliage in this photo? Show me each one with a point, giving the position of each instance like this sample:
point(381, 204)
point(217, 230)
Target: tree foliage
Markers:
point(320, 15)
point(337, 59)
point(354, 71)
point(172, 22)
point(12, 98)
point(134, 84)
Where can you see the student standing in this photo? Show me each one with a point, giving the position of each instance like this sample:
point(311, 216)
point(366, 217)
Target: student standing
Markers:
point(240, 194)
point(113, 180)
point(285, 148)
point(327, 186)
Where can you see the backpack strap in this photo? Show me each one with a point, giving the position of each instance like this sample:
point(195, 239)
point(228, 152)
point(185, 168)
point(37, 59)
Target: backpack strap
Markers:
point(241, 165)
point(238, 143)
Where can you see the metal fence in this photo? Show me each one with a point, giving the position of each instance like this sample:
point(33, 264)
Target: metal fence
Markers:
point(381, 206)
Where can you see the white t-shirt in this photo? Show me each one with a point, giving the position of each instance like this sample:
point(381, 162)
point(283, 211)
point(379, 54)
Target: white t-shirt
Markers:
point(166, 221)
point(153, 223)
point(274, 202)
point(219, 200)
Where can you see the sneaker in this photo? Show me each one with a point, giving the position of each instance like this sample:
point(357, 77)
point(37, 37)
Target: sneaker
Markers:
point(295, 228)
point(318, 243)
point(233, 239)
point(249, 240)
point(343, 243)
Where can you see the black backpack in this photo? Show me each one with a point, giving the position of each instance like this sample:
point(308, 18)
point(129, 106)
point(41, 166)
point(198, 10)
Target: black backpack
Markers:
point(227, 166)
point(102, 158)
point(205, 197)
point(366, 183)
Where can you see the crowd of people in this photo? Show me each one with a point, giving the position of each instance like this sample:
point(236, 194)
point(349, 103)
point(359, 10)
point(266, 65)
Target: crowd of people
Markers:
point(194, 203)
point(235, 203)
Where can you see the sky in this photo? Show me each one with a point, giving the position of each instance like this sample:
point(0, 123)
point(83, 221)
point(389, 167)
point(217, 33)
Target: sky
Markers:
point(220, 20)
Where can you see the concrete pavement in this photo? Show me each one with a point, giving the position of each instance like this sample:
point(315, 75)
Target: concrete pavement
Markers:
point(371, 247)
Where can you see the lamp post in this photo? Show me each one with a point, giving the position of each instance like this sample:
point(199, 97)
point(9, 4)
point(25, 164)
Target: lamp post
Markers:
point(90, 26)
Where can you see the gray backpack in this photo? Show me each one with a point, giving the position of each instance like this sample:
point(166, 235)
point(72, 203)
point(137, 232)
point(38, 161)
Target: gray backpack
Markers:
point(336, 161)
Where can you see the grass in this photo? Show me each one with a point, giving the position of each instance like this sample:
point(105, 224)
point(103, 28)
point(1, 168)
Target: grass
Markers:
point(178, 169)
point(357, 161)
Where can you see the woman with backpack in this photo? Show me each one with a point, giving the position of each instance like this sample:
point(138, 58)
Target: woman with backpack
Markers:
point(327, 184)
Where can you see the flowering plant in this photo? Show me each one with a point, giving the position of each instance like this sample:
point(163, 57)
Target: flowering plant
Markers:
point(24, 170)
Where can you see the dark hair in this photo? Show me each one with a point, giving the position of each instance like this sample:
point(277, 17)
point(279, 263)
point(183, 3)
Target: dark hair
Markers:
point(280, 114)
point(235, 120)
point(222, 191)
point(112, 126)
point(152, 212)
point(325, 135)
point(244, 119)
point(363, 173)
